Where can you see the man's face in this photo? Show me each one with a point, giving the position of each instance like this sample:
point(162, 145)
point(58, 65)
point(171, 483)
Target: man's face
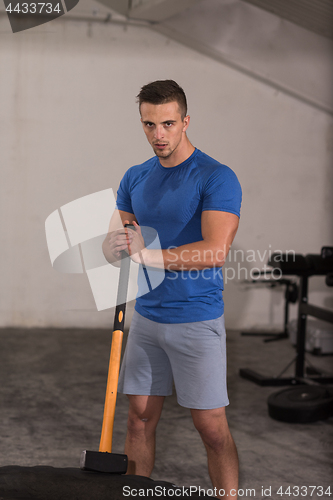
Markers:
point(164, 127)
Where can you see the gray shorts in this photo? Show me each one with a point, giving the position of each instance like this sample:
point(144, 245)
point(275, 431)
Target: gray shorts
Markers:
point(193, 355)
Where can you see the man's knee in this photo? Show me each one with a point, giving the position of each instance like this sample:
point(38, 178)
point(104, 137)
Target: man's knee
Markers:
point(213, 428)
point(143, 416)
point(136, 425)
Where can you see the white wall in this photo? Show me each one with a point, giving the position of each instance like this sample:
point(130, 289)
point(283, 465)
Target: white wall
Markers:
point(70, 127)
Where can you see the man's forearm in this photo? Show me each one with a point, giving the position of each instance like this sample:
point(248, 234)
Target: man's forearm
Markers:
point(199, 255)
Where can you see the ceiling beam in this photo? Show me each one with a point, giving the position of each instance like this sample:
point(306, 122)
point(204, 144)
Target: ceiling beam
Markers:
point(158, 10)
point(149, 10)
point(120, 6)
point(313, 15)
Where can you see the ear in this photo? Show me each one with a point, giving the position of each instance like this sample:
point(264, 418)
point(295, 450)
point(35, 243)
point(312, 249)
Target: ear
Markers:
point(186, 123)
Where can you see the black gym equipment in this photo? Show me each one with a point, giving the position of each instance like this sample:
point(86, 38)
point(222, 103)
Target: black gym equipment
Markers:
point(308, 401)
point(49, 483)
point(301, 404)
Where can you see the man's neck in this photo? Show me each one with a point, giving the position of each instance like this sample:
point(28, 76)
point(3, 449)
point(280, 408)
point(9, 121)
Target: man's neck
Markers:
point(179, 155)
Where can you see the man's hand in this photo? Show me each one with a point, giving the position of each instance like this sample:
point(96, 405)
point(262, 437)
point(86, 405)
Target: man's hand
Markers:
point(125, 239)
point(136, 244)
point(117, 242)
point(117, 238)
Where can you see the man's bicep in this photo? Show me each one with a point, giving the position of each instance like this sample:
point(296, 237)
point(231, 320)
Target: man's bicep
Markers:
point(219, 228)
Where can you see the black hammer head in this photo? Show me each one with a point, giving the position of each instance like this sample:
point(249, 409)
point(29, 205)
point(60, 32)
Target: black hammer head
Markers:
point(99, 461)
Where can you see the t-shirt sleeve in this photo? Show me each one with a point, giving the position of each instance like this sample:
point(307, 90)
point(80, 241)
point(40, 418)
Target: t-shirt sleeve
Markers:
point(123, 194)
point(223, 191)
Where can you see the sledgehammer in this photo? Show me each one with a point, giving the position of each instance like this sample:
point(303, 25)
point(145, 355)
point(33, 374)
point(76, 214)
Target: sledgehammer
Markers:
point(103, 460)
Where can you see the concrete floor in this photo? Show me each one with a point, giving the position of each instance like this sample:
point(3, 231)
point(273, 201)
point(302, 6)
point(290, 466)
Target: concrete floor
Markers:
point(52, 396)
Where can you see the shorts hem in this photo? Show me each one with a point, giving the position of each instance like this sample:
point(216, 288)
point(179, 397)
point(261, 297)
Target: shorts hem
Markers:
point(142, 393)
point(195, 406)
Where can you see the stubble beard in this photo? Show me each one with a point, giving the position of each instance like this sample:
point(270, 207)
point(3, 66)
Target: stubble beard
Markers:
point(165, 154)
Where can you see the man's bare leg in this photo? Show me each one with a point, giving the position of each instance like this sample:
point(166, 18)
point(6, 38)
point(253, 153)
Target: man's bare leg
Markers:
point(143, 416)
point(221, 450)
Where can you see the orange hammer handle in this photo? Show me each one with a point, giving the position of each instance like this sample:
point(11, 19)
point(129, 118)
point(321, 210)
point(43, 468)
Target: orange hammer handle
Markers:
point(111, 392)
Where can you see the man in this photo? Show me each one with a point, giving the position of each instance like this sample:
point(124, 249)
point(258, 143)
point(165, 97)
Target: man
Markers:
point(177, 332)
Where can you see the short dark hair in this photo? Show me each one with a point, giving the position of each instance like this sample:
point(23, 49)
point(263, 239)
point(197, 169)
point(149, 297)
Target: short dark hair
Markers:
point(162, 92)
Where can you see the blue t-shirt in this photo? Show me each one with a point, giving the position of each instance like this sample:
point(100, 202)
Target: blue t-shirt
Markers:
point(171, 200)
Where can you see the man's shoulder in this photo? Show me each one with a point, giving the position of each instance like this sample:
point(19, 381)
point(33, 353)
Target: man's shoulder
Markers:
point(210, 165)
point(142, 166)
point(138, 170)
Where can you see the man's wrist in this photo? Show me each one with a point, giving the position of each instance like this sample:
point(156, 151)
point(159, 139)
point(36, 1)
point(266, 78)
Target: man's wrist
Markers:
point(150, 257)
point(141, 257)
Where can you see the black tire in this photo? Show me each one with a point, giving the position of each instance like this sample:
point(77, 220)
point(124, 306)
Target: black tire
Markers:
point(301, 404)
